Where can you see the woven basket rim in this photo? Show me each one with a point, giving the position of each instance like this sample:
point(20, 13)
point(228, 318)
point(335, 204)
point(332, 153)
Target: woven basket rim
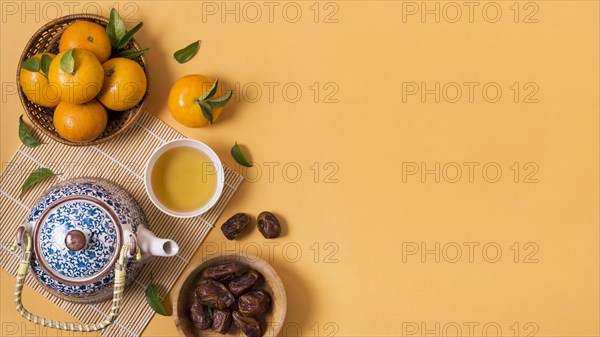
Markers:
point(134, 115)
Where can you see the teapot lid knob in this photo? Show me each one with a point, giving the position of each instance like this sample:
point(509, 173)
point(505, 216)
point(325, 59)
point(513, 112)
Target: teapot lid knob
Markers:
point(76, 239)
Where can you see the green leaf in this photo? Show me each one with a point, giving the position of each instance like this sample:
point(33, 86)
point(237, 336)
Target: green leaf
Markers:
point(211, 92)
point(206, 111)
point(130, 54)
point(239, 156)
point(154, 300)
point(186, 54)
point(67, 62)
point(46, 60)
point(35, 177)
point(32, 64)
point(220, 102)
point(127, 37)
point(115, 29)
point(25, 136)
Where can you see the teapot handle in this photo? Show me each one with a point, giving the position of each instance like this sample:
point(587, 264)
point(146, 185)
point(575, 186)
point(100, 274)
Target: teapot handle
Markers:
point(119, 287)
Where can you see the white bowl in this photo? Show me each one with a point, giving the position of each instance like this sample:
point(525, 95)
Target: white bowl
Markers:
point(189, 143)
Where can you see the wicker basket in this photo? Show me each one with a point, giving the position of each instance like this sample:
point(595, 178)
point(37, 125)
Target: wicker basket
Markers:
point(46, 40)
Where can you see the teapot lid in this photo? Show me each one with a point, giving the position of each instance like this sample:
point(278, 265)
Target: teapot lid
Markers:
point(77, 239)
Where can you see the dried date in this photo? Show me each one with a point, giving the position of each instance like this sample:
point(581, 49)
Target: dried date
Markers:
point(235, 226)
point(268, 225)
point(214, 294)
point(254, 302)
point(240, 285)
point(224, 271)
point(221, 321)
point(201, 316)
point(249, 325)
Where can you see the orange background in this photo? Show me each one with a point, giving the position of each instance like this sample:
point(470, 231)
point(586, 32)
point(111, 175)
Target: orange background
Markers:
point(356, 219)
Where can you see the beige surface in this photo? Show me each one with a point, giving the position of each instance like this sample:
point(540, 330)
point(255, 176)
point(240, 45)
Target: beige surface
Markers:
point(362, 220)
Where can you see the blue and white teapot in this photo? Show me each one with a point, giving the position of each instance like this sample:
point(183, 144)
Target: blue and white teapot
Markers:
point(85, 240)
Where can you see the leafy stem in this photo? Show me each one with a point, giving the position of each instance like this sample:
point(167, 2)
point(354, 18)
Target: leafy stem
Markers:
point(32, 64)
point(185, 54)
point(119, 37)
point(45, 64)
point(36, 177)
point(67, 62)
point(153, 298)
point(26, 136)
point(208, 102)
point(238, 154)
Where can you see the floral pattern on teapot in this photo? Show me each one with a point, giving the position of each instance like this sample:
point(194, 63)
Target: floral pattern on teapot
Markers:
point(69, 290)
point(78, 215)
point(86, 186)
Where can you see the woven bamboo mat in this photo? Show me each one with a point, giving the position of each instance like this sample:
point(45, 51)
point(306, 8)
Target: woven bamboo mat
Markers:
point(122, 161)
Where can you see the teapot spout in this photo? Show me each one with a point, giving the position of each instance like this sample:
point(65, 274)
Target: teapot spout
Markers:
point(150, 245)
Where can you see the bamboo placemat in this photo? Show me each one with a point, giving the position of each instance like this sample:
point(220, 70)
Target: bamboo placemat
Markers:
point(122, 161)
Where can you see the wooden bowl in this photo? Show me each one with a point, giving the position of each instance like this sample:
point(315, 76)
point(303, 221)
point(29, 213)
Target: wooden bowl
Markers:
point(273, 320)
point(46, 40)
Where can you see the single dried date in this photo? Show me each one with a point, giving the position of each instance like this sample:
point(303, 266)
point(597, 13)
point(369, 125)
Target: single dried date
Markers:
point(235, 226)
point(249, 325)
point(268, 225)
point(240, 285)
point(221, 321)
point(254, 302)
point(201, 316)
point(214, 294)
point(224, 271)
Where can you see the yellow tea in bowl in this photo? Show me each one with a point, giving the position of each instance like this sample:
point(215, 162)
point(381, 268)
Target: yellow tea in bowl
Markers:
point(184, 179)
